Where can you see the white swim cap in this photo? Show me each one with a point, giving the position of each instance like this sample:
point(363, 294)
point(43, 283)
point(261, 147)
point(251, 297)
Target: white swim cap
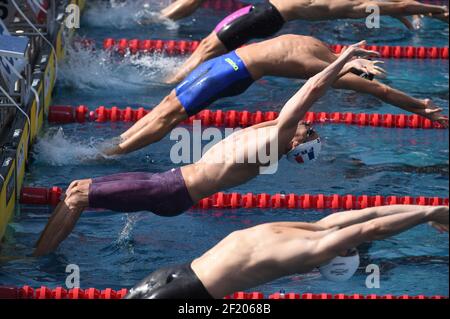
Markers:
point(305, 152)
point(340, 268)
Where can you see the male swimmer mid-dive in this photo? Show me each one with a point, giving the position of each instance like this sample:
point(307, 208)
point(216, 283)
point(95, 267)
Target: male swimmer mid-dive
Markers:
point(254, 256)
point(266, 19)
point(290, 56)
point(233, 161)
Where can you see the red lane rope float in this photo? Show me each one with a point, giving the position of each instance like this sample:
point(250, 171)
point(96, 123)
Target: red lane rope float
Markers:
point(310, 296)
point(180, 47)
point(221, 200)
point(27, 292)
point(63, 114)
point(40, 195)
point(308, 201)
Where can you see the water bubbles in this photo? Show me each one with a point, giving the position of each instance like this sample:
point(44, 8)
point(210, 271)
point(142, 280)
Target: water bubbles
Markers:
point(125, 239)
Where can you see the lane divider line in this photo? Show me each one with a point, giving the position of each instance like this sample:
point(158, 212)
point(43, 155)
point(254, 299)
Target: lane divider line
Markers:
point(181, 47)
point(52, 195)
point(43, 292)
point(64, 114)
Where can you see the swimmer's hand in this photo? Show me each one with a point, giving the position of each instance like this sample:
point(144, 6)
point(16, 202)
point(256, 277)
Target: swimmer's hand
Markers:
point(357, 50)
point(366, 67)
point(433, 113)
point(439, 217)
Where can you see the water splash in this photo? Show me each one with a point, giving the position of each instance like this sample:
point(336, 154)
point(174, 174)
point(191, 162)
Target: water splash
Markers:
point(57, 150)
point(125, 239)
point(147, 17)
point(92, 70)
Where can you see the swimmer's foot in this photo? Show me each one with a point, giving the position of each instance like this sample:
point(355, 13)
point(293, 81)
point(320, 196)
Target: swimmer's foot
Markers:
point(109, 148)
point(147, 17)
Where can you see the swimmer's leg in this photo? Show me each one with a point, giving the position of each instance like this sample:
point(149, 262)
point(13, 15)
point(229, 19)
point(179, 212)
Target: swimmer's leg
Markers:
point(152, 127)
point(63, 219)
point(209, 48)
point(109, 178)
point(181, 9)
point(68, 211)
point(166, 102)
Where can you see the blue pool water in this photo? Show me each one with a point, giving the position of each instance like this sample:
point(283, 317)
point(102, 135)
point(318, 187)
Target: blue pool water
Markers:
point(116, 250)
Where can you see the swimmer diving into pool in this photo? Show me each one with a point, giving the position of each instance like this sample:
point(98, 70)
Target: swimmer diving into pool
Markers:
point(257, 255)
point(290, 56)
point(233, 161)
point(266, 19)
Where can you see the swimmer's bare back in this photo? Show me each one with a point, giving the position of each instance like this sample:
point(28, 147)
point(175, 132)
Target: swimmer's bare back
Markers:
point(260, 254)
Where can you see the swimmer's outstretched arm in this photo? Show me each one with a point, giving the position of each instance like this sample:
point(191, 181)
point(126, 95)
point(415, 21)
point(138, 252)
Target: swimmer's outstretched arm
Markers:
point(181, 9)
point(348, 218)
point(383, 227)
point(295, 109)
point(392, 96)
